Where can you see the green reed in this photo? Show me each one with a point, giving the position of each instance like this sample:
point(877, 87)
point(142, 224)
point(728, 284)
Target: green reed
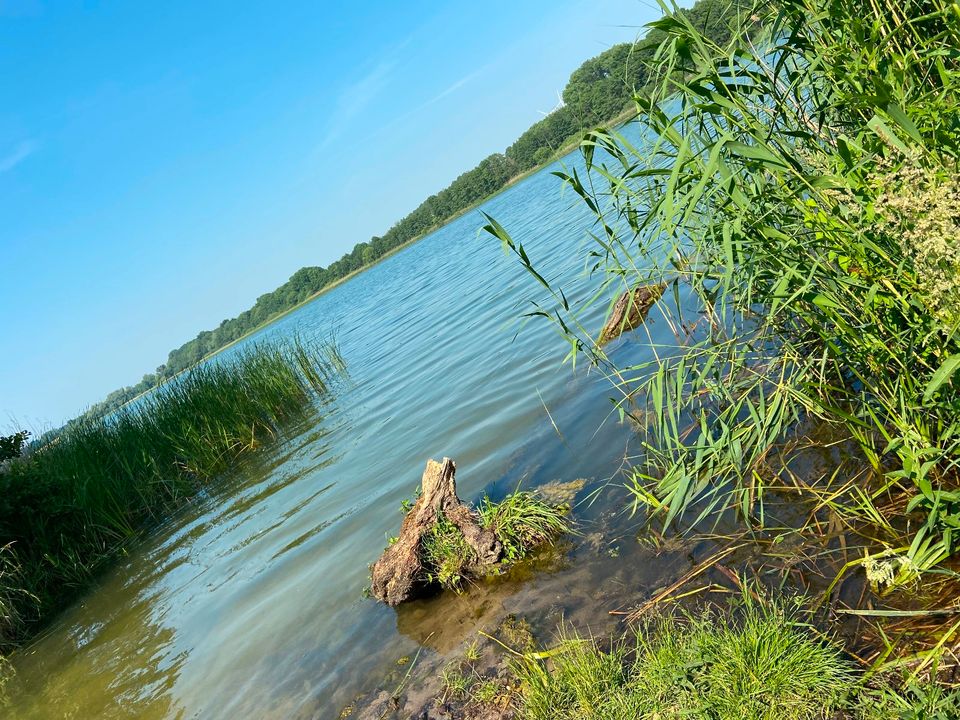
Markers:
point(522, 522)
point(797, 191)
point(72, 503)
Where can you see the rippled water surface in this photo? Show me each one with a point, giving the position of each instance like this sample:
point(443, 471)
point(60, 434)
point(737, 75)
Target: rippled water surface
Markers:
point(248, 604)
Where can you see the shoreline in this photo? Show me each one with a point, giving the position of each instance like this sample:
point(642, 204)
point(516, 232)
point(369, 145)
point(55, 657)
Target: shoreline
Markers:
point(616, 122)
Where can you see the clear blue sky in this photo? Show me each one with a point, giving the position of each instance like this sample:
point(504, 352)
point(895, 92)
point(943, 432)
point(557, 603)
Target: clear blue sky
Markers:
point(164, 163)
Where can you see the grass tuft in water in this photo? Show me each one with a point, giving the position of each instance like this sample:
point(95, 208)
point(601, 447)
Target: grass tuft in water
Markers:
point(521, 521)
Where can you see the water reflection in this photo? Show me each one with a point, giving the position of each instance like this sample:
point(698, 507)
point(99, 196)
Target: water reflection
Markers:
point(121, 653)
point(91, 680)
point(444, 621)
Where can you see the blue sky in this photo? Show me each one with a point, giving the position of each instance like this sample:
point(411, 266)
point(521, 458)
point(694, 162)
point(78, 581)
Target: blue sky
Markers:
point(164, 163)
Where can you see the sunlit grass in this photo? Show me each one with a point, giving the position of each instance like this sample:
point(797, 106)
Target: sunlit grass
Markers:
point(759, 664)
point(521, 521)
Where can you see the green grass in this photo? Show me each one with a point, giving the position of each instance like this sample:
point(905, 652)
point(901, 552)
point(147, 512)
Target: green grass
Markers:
point(764, 665)
point(446, 556)
point(69, 506)
point(913, 701)
point(758, 661)
point(521, 521)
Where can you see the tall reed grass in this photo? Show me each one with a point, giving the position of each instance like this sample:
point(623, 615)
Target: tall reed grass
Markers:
point(796, 189)
point(70, 504)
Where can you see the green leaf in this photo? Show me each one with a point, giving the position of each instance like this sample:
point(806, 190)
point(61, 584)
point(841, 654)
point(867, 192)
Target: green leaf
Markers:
point(888, 136)
point(898, 115)
point(942, 375)
point(756, 152)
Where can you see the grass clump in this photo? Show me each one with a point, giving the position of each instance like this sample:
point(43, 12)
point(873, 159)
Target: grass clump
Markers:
point(762, 666)
point(522, 522)
point(70, 504)
point(446, 555)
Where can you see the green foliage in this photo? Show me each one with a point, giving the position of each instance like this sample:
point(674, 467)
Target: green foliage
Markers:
point(455, 682)
point(445, 554)
point(764, 666)
point(763, 194)
point(11, 446)
point(12, 598)
point(67, 508)
point(521, 521)
point(915, 701)
point(485, 691)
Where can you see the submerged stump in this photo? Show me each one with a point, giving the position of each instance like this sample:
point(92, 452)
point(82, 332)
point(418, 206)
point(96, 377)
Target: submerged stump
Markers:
point(397, 575)
point(631, 310)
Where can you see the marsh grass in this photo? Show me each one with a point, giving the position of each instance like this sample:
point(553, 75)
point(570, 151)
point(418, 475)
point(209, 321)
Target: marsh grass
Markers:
point(759, 663)
point(72, 503)
point(522, 522)
point(796, 191)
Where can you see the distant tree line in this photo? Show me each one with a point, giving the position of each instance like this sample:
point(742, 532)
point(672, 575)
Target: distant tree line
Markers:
point(599, 91)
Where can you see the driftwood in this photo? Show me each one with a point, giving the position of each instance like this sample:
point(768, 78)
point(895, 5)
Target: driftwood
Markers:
point(395, 577)
point(630, 310)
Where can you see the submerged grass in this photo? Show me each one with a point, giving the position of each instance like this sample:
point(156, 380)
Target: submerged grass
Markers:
point(69, 506)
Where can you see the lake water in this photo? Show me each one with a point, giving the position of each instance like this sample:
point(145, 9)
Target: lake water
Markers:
point(249, 604)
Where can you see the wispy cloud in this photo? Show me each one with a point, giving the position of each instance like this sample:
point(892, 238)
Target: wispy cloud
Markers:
point(355, 99)
point(20, 153)
point(452, 88)
point(449, 90)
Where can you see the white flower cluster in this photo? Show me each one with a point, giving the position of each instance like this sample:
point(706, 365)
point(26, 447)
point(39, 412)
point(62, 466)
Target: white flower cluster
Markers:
point(923, 210)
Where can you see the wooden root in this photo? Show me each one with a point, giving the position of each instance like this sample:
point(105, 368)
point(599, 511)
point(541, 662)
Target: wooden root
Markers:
point(631, 310)
point(397, 575)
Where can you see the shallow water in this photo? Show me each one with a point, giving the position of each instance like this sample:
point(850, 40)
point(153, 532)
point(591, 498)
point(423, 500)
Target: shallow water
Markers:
point(248, 604)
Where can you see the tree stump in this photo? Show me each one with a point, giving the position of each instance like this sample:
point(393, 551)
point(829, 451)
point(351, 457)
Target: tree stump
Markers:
point(395, 577)
point(631, 310)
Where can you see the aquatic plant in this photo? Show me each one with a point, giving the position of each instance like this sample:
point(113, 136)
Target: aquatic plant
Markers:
point(913, 701)
point(69, 506)
point(522, 521)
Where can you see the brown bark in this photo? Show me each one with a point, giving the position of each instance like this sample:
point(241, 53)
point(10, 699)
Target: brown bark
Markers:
point(396, 576)
point(630, 310)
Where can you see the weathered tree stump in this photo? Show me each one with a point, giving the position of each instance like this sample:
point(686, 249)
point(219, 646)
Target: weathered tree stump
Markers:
point(631, 310)
point(396, 575)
